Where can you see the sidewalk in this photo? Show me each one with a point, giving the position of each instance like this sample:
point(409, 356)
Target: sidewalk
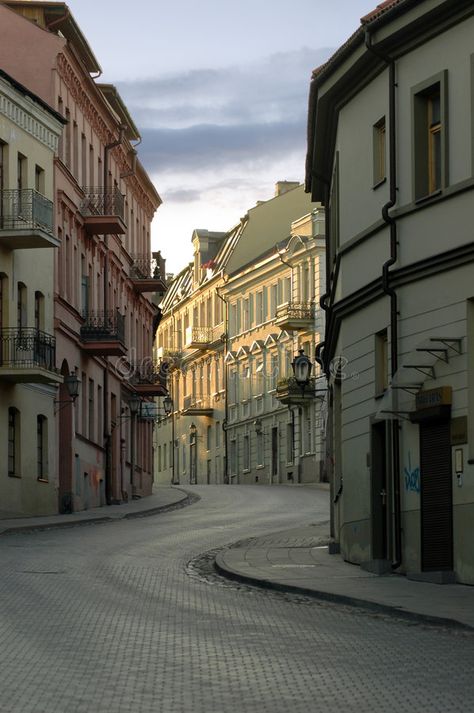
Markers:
point(297, 560)
point(161, 499)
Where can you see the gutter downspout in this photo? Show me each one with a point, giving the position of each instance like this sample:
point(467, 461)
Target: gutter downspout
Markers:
point(107, 431)
point(391, 222)
point(227, 478)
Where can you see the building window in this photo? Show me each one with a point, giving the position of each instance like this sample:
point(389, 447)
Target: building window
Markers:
point(42, 447)
point(13, 442)
point(39, 180)
point(381, 362)
point(159, 459)
point(379, 151)
point(21, 306)
point(208, 438)
point(430, 154)
point(218, 434)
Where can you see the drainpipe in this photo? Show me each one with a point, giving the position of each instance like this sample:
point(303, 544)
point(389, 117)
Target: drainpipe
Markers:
point(226, 407)
point(107, 431)
point(391, 222)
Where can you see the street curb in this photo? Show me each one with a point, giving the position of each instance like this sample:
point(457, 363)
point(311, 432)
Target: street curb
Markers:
point(187, 499)
point(394, 612)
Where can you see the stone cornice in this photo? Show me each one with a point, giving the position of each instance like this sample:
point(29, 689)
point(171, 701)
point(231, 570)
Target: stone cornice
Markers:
point(28, 116)
point(81, 96)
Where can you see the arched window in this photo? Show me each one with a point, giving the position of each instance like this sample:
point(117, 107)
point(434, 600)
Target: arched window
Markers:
point(39, 311)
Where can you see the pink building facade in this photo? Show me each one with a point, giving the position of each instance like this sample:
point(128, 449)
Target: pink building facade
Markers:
point(105, 273)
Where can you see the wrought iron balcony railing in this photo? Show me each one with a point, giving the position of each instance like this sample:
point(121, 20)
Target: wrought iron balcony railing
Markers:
point(102, 201)
point(288, 390)
point(197, 403)
point(196, 337)
point(145, 267)
point(27, 348)
point(100, 325)
point(296, 310)
point(25, 209)
point(149, 372)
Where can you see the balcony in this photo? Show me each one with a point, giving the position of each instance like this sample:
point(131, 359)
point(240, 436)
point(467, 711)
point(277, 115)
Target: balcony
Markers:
point(293, 316)
point(103, 211)
point(103, 333)
point(149, 378)
point(148, 274)
point(26, 220)
point(203, 337)
point(28, 355)
point(197, 406)
point(289, 392)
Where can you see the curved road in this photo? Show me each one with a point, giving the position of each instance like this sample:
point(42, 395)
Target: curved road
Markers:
point(107, 619)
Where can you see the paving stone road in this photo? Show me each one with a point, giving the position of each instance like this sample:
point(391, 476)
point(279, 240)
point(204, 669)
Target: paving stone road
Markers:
point(112, 619)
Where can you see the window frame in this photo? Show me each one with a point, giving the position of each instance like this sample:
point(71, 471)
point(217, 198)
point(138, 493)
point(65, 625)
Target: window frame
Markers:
point(422, 145)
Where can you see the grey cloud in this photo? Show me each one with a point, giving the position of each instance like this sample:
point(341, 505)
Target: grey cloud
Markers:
point(183, 196)
point(274, 89)
point(206, 147)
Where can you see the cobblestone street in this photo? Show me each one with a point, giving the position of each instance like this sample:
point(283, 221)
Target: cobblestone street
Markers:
point(109, 618)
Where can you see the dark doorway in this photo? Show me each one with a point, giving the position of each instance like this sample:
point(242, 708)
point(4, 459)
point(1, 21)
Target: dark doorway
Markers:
point(274, 453)
point(192, 459)
point(378, 476)
point(65, 447)
point(436, 497)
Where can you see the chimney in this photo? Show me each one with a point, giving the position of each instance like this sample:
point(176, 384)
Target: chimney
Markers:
point(282, 187)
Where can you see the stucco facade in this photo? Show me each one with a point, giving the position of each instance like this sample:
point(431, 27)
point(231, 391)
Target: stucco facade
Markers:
point(399, 337)
point(29, 134)
point(220, 336)
point(104, 273)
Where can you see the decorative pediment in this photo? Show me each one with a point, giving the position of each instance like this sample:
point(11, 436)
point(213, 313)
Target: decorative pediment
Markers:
point(271, 339)
point(257, 346)
point(230, 357)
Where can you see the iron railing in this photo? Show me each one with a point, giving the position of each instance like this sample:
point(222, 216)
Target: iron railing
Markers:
point(149, 372)
point(102, 326)
point(26, 348)
point(296, 310)
point(25, 209)
point(197, 402)
point(199, 335)
point(145, 267)
point(290, 387)
point(102, 201)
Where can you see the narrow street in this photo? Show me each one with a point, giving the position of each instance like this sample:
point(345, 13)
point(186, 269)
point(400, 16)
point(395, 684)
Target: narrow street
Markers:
point(112, 618)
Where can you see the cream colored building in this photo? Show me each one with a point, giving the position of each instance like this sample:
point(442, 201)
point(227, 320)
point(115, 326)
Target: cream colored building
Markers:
point(29, 134)
point(221, 333)
point(391, 154)
point(275, 429)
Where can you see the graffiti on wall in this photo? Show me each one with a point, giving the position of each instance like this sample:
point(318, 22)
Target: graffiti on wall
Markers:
point(412, 477)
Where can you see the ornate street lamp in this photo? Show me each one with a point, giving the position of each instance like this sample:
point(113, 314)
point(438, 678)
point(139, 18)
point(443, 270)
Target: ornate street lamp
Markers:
point(134, 404)
point(302, 366)
point(168, 404)
point(192, 431)
point(72, 385)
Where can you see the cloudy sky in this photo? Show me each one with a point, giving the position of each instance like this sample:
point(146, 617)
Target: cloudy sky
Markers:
point(219, 92)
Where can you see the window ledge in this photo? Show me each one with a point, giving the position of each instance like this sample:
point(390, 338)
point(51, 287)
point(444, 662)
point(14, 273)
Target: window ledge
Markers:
point(42, 480)
point(260, 467)
point(429, 197)
point(379, 183)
